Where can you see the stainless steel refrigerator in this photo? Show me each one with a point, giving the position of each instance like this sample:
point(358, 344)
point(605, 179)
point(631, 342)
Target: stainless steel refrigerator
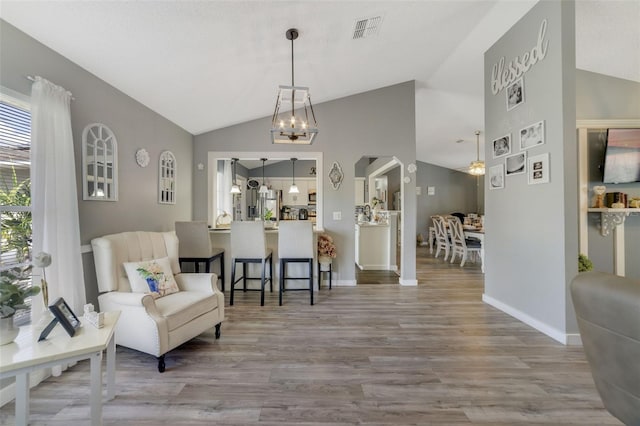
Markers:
point(270, 204)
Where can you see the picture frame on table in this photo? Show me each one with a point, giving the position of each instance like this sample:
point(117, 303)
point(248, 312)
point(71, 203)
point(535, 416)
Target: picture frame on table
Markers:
point(532, 135)
point(538, 169)
point(516, 164)
point(515, 94)
point(65, 316)
point(496, 177)
point(502, 146)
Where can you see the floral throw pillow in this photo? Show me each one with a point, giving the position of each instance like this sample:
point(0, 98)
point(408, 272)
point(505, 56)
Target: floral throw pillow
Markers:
point(151, 276)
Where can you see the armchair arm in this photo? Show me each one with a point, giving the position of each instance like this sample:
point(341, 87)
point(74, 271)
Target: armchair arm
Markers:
point(150, 333)
point(125, 298)
point(198, 282)
point(206, 283)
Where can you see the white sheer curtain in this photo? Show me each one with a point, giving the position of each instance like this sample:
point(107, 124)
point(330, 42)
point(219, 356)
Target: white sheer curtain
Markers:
point(56, 227)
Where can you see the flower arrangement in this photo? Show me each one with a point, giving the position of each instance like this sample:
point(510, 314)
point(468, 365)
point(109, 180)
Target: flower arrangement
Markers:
point(326, 247)
point(42, 260)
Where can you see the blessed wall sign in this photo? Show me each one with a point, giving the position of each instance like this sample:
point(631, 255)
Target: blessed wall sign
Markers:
point(503, 75)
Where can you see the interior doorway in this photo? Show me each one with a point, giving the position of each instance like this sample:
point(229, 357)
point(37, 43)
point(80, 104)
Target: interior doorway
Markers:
point(378, 209)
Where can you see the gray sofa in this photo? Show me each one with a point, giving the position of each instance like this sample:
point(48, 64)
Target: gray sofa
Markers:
point(608, 311)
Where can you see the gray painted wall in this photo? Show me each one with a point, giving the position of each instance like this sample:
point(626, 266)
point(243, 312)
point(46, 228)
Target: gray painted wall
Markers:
point(603, 97)
point(532, 231)
point(376, 123)
point(134, 125)
point(454, 192)
point(600, 97)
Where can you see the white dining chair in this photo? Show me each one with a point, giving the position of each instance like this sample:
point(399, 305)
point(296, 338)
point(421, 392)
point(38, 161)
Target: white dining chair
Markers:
point(442, 238)
point(460, 245)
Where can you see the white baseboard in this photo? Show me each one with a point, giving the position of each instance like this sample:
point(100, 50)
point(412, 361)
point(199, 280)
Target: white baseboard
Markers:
point(574, 339)
point(345, 283)
point(554, 333)
point(406, 282)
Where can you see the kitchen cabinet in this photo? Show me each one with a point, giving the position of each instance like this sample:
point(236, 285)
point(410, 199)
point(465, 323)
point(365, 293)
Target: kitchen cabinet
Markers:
point(372, 246)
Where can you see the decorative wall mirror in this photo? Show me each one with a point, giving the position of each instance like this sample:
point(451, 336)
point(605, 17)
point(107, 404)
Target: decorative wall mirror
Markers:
point(99, 163)
point(167, 178)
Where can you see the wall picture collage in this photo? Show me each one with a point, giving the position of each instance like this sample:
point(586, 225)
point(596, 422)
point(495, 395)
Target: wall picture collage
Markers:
point(513, 154)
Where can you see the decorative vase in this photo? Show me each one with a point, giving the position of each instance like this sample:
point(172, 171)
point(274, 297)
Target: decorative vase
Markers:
point(324, 261)
point(8, 330)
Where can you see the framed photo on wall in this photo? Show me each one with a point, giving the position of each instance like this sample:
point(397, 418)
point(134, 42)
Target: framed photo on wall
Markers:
point(516, 164)
point(538, 169)
point(515, 94)
point(502, 146)
point(496, 177)
point(532, 135)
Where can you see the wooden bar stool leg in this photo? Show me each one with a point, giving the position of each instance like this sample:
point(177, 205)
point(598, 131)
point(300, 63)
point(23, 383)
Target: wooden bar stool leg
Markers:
point(311, 279)
point(282, 273)
point(263, 281)
point(222, 270)
point(244, 276)
point(233, 280)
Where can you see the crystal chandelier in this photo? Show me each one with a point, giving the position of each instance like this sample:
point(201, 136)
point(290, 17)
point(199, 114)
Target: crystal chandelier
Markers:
point(476, 168)
point(296, 125)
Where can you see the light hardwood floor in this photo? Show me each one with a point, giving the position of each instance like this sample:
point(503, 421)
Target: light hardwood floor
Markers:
point(366, 355)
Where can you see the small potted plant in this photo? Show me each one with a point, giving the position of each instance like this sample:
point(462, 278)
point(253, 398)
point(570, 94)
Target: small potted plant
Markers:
point(326, 250)
point(584, 264)
point(14, 290)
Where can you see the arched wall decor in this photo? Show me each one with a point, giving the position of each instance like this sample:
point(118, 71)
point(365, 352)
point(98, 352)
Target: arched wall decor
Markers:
point(99, 163)
point(167, 170)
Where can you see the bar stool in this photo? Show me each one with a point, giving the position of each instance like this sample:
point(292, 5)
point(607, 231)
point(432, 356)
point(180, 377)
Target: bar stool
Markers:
point(195, 246)
point(295, 245)
point(249, 245)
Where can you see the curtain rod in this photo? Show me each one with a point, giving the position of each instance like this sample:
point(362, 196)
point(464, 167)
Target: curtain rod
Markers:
point(32, 78)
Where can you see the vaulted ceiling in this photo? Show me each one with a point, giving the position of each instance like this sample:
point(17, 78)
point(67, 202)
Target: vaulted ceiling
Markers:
point(205, 65)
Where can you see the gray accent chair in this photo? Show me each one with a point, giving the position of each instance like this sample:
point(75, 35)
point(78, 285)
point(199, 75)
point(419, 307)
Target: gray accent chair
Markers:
point(608, 311)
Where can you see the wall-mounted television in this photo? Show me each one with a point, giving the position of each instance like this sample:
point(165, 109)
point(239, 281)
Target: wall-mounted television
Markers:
point(622, 156)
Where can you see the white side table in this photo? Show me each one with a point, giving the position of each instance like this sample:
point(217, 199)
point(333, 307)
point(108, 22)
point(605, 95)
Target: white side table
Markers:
point(26, 354)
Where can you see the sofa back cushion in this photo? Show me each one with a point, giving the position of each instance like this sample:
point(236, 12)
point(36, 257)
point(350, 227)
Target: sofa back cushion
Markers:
point(110, 252)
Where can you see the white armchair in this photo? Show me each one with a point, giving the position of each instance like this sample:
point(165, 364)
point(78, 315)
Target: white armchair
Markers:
point(154, 326)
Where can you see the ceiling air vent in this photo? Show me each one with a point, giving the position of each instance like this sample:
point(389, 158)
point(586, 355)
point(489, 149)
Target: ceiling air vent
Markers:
point(368, 27)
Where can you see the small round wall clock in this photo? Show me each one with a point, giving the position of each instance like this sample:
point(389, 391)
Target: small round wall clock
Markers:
point(142, 157)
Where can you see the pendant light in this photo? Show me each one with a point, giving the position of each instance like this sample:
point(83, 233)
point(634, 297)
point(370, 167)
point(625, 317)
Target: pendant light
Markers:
point(293, 189)
point(263, 188)
point(286, 126)
point(476, 168)
point(235, 189)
